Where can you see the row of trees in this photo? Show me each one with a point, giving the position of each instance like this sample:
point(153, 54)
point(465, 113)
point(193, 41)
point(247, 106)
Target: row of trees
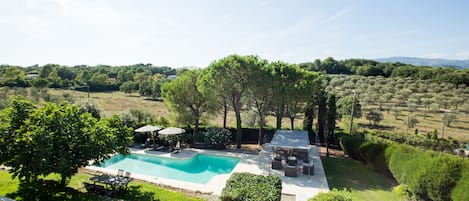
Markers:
point(244, 83)
point(398, 95)
point(255, 86)
point(103, 77)
point(37, 141)
point(145, 78)
point(373, 68)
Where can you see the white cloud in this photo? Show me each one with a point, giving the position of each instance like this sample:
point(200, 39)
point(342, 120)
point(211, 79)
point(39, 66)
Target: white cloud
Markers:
point(337, 15)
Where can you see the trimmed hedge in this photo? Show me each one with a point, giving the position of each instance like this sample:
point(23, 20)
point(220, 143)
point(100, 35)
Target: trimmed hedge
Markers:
point(333, 195)
point(460, 191)
point(429, 174)
point(247, 186)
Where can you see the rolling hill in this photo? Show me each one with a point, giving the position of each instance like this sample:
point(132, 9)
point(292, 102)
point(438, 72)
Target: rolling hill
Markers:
point(459, 64)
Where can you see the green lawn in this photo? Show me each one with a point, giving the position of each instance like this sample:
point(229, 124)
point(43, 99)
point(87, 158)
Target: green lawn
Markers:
point(48, 190)
point(364, 183)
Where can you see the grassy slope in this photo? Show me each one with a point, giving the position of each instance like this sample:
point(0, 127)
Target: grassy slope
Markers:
point(364, 183)
point(137, 190)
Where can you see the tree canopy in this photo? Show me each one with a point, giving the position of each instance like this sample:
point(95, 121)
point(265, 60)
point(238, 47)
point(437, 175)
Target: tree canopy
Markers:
point(187, 97)
point(56, 139)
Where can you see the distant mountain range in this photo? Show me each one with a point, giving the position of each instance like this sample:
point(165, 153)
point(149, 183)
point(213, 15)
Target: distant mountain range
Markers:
point(460, 64)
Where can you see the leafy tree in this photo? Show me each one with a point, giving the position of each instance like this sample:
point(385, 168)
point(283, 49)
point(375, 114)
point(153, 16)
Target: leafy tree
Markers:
point(186, 96)
point(58, 139)
point(152, 87)
point(127, 87)
point(231, 76)
point(412, 121)
point(344, 107)
point(281, 70)
point(321, 101)
point(260, 94)
point(299, 89)
point(374, 116)
point(448, 118)
point(40, 83)
point(396, 112)
point(331, 117)
point(88, 107)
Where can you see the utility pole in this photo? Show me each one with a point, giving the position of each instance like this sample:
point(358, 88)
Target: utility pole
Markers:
point(351, 115)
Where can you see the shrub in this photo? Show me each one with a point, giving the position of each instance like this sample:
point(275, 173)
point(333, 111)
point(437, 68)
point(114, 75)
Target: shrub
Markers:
point(333, 195)
point(247, 186)
point(459, 192)
point(429, 174)
point(439, 178)
point(404, 191)
point(350, 144)
point(217, 137)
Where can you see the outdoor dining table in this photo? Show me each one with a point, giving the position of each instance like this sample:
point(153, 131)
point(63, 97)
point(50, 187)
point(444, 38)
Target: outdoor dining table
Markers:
point(114, 181)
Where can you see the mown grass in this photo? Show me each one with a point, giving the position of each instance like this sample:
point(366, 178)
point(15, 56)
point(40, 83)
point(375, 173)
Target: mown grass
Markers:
point(363, 183)
point(48, 189)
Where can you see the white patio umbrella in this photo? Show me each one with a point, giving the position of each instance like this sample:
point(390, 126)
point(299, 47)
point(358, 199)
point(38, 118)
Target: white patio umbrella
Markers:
point(172, 131)
point(147, 128)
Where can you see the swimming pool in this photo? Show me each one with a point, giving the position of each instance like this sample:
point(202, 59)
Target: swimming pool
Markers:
point(198, 169)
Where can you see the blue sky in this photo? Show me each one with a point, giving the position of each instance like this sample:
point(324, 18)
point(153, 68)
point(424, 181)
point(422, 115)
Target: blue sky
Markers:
point(195, 33)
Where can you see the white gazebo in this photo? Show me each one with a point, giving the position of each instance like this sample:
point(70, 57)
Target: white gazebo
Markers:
point(291, 140)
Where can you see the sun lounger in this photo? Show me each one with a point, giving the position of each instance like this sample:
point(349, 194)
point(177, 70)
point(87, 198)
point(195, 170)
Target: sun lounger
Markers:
point(177, 148)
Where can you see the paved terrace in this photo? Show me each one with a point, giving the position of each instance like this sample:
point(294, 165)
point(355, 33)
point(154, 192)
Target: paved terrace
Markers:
point(303, 186)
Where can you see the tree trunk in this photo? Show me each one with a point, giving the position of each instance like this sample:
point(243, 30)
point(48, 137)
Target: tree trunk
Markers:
point(279, 117)
point(239, 132)
point(196, 127)
point(308, 122)
point(327, 145)
point(292, 122)
point(63, 180)
point(260, 136)
point(225, 112)
point(321, 119)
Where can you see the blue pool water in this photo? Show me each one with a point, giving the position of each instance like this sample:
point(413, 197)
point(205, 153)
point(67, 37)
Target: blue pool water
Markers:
point(199, 169)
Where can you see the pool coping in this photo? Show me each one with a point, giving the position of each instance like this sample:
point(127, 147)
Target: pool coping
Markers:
point(303, 187)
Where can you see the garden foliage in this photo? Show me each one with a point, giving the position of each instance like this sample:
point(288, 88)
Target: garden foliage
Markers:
point(217, 137)
point(430, 175)
point(333, 195)
point(247, 186)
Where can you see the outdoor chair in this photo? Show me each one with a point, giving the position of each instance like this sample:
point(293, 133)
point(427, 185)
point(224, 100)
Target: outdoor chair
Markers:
point(291, 160)
point(120, 173)
point(291, 171)
point(177, 148)
point(277, 164)
point(308, 168)
point(157, 148)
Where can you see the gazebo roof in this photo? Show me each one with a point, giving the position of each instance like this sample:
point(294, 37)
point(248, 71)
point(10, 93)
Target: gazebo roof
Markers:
point(290, 139)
